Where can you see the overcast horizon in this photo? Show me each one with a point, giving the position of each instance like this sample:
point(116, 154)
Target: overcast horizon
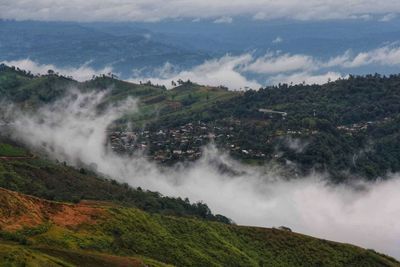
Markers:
point(220, 11)
point(239, 44)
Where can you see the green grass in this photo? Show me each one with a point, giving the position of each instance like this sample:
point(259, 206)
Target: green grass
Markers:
point(154, 101)
point(15, 255)
point(57, 181)
point(189, 242)
point(7, 150)
point(119, 234)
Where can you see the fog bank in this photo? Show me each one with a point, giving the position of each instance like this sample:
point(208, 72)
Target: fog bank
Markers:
point(74, 130)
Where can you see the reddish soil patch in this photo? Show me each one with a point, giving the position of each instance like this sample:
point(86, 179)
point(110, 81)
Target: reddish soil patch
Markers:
point(74, 215)
point(18, 211)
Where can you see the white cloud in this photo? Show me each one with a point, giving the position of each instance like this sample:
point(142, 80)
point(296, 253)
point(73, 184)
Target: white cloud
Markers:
point(306, 78)
point(154, 10)
point(222, 71)
point(362, 16)
point(274, 68)
point(280, 63)
point(81, 73)
point(388, 17)
point(384, 56)
point(277, 40)
point(226, 20)
point(260, 16)
point(272, 63)
point(234, 71)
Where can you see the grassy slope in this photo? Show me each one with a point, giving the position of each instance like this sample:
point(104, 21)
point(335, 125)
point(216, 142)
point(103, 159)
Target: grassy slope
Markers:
point(12, 254)
point(51, 180)
point(29, 91)
point(16, 255)
point(7, 150)
point(72, 232)
point(158, 104)
point(155, 102)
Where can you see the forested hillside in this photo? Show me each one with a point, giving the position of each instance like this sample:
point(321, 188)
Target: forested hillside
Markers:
point(348, 128)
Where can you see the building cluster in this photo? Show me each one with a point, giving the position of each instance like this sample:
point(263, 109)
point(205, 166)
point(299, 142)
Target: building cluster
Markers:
point(354, 128)
point(178, 143)
point(362, 126)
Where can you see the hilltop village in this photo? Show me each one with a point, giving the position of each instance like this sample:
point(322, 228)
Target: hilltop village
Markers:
point(186, 142)
point(179, 143)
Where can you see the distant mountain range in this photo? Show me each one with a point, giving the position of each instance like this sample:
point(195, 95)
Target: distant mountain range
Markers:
point(73, 44)
point(144, 47)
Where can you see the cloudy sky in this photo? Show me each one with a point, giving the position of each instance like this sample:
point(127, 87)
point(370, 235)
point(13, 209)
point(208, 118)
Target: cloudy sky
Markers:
point(222, 11)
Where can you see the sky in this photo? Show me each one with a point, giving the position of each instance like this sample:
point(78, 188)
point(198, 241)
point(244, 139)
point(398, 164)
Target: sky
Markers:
point(220, 11)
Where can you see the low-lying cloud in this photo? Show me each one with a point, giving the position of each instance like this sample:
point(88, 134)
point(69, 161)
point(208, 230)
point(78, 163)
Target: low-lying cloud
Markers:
point(81, 73)
point(75, 131)
point(225, 19)
point(222, 71)
point(276, 63)
point(384, 56)
point(306, 78)
point(239, 72)
point(276, 67)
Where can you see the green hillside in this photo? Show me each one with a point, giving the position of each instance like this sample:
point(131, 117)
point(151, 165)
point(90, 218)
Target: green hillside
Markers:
point(56, 233)
point(155, 102)
point(65, 222)
point(27, 173)
point(12, 254)
point(348, 128)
